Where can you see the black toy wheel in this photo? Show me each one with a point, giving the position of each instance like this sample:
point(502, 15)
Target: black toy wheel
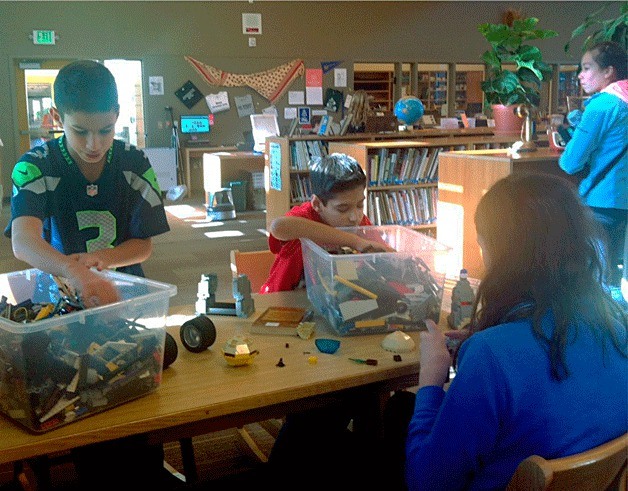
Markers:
point(198, 334)
point(171, 351)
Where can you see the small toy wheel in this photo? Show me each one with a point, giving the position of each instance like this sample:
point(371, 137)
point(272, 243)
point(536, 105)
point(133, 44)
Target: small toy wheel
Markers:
point(171, 351)
point(198, 334)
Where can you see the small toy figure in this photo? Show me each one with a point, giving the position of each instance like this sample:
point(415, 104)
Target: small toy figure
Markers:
point(238, 351)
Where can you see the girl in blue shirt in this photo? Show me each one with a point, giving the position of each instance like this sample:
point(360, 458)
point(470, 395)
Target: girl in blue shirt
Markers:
point(544, 367)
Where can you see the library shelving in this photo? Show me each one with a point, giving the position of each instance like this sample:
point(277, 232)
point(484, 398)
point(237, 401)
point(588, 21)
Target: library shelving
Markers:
point(377, 84)
point(468, 91)
point(288, 176)
point(402, 176)
point(433, 89)
point(568, 86)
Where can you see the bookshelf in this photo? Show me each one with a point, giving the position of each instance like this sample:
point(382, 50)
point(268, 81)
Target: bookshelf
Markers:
point(377, 84)
point(568, 86)
point(433, 88)
point(291, 156)
point(402, 176)
point(468, 90)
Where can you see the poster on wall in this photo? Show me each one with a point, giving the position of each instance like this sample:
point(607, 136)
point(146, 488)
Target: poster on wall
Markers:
point(274, 164)
point(189, 94)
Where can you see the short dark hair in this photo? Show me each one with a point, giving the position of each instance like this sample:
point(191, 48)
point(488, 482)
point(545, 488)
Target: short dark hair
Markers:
point(85, 86)
point(610, 53)
point(335, 173)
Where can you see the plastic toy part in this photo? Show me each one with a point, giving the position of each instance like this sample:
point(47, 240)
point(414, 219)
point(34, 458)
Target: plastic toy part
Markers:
point(198, 334)
point(171, 351)
point(329, 346)
point(238, 351)
point(398, 342)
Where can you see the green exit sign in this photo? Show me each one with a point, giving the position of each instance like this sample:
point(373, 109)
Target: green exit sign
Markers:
point(44, 37)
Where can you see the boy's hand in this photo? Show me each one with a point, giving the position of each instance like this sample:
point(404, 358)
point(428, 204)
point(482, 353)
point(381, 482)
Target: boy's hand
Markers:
point(89, 260)
point(92, 287)
point(364, 245)
point(435, 358)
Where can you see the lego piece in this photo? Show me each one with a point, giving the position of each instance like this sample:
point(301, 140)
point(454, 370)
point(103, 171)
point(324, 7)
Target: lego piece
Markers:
point(355, 287)
point(368, 361)
point(356, 308)
point(280, 363)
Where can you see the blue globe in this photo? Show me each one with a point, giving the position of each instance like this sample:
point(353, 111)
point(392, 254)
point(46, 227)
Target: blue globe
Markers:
point(409, 110)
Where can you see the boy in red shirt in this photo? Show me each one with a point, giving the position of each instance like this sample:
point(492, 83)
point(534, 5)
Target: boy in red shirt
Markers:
point(338, 184)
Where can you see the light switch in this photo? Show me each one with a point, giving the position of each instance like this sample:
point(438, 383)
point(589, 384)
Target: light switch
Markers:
point(252, 42)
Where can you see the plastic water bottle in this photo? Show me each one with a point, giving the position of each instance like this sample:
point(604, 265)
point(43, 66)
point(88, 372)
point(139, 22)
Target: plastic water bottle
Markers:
point(462, 298)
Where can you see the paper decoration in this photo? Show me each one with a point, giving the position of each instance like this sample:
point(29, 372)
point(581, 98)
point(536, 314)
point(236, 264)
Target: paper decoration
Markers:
point(314, 96)
point(340, 77)
point(289, 113)
point(329, 65)
point(244, 105)
point(270, 84)
point(218, 102)
point(296, 97)
point(333, 100)
point(251, 24)
point(274, 163)
point(304, 115)
point(313, 77)
point(189, 94)
point(155, 85)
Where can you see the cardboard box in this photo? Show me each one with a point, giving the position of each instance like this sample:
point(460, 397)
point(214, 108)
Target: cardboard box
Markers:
point(378, 292)
point(71, 365)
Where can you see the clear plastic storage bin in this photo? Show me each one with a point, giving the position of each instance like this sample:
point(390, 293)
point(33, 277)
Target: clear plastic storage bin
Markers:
point(378, 292)
point(56, 370)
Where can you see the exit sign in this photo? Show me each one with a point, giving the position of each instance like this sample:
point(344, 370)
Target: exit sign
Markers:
point(44, 37)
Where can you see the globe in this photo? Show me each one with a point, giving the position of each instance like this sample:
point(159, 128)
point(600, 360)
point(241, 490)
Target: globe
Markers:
point(409, 110)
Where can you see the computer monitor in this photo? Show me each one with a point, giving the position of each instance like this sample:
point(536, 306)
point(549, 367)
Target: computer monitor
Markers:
point(196, 126)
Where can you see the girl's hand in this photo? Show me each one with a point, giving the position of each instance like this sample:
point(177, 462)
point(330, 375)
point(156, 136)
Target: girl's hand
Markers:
point(435, 358)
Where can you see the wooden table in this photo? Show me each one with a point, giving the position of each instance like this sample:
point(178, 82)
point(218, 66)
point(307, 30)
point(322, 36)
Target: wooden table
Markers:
point(201, 393)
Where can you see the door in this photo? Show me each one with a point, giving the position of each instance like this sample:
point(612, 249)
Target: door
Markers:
point(34, 82)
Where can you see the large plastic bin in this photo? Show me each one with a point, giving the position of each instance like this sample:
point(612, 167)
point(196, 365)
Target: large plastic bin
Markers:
point(378, 292)
point(57, 370)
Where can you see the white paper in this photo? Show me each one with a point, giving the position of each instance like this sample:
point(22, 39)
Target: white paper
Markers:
point(218, 102)
point(289, 112)
point(348, 100)
point(340, 77)
point(314, 96)
point(251, 24)
point(270, 110)
point(155, 85)
point(296, 97)
point(319, 112)
point(244, 105)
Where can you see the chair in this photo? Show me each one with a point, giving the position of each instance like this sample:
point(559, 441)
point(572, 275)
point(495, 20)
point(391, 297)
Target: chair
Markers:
point(254, 264)
point(602, 468)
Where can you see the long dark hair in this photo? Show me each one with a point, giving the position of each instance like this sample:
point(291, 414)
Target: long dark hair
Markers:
point(543, 251)
point(610, 53)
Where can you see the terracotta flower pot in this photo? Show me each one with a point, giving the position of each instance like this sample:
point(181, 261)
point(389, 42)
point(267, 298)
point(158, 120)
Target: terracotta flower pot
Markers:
point(506, 121)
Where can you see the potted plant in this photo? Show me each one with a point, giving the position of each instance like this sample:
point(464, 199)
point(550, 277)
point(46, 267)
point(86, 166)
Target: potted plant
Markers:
point(504, 88)
point(613, 29)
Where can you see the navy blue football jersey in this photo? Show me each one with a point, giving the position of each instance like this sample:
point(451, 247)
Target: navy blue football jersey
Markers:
point(82, 216)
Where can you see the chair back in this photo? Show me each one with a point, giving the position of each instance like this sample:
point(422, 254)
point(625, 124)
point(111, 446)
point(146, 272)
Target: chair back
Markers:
point(254, 264)
point(602, 468)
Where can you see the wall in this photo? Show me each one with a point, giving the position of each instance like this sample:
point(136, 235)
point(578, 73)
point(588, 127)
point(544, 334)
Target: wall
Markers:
point(161, 33)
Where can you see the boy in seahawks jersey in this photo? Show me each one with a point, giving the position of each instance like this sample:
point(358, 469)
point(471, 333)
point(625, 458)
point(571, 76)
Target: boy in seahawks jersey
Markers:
point(85, 200)
point(82, 201)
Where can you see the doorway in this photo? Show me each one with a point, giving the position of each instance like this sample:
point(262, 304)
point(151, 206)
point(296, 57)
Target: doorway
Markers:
point(35, 95)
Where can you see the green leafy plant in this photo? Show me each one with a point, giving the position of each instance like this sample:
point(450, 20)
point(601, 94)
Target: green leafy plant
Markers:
point(614, 29)
point(508, 47)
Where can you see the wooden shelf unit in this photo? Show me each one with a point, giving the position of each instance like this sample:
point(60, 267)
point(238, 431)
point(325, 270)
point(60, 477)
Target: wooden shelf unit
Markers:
point(468, 90)
point(433, 89)
point(279, 201)
point(377, 84)
point(402, 176)
point(464, 177)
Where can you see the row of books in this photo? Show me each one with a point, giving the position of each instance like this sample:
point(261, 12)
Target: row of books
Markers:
point(300, 188)
point(412, 206)
point(303, 150)
point(403, 166)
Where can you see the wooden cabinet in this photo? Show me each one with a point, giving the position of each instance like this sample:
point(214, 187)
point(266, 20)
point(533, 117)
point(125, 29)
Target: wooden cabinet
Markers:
point(464, 177)
point(379, 85)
